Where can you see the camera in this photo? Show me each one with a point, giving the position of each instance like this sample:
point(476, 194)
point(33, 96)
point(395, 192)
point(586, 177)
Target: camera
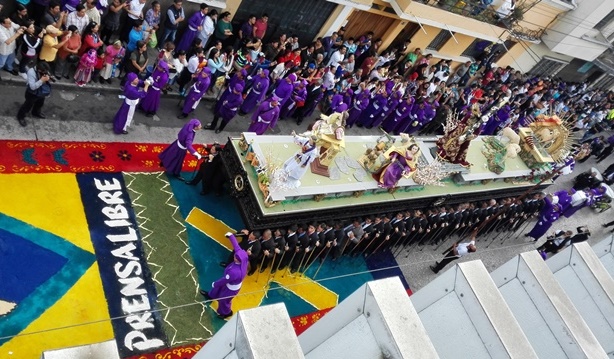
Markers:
point(51, 77)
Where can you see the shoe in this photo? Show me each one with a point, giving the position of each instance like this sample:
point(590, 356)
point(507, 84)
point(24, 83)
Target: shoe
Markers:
point(182, 116)
point(262, 270)
point(149, 114)
point(14, 72)
point(251, 272)
point(433, 269)
point(22, 122)
point(218, 131)
point(180, 178)
point(39, 115)
point(124, 132)
point(205, 294)
point(191, 182)
point(66, 77)
point(101, 80)
point(109, 81)
point(292, 270)
point(221, 316)
point(273, 271)
point(223, 264)
point(604, 225)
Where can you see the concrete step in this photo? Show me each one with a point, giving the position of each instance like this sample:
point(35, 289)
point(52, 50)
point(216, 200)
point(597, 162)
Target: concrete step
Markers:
point(546, 315)
point(462, 309)
point(590, 287)
point(605, 251)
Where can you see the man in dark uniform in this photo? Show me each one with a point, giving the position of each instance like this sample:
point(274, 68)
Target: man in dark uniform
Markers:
point(302, 248)
point(291, 240)
point(267, 244)
point(250, 244)
point(280, 249)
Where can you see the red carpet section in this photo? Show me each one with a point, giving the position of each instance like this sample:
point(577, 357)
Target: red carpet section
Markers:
point(79, 157)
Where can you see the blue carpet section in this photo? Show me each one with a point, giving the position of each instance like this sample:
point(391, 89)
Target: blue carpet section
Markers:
point(67, 264)
point(385, 259)
point(24, 266)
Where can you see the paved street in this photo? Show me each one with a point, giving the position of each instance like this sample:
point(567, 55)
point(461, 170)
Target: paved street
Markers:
point(86, 114)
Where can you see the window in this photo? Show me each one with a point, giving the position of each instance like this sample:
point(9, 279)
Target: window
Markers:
point(605, 21)
point(439, 40)
point(505, 47)
point(548, 66)
point(606, 82)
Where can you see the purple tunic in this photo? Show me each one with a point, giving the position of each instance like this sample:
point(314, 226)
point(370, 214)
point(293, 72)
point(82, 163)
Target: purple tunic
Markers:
point(387, 110)
point(547, 217)
point(172, 157)
point(283, 91)
point(234, 81)
point(151, 102)
point(396, 120)
point(372, 112)
point(264, 117)
point(123, 117)
point(191, 32)
point(360, 103)
point(298, 95)
point(260, 86)
point(417, 119)
point(228, 109)
point(338, 103)
point(196, 92)
point(229, 285)
point(496, 121)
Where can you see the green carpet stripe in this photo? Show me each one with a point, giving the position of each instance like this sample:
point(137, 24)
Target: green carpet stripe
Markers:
point(165, 242)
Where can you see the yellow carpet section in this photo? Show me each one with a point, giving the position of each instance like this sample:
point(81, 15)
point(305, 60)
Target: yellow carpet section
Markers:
point(256, 286)
point(52, 202)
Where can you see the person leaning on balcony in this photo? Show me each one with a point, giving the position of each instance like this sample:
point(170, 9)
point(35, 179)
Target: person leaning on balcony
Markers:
point(506, 9)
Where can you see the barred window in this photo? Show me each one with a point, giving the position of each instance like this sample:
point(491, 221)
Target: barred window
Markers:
point(439, 40)
point(548, 66)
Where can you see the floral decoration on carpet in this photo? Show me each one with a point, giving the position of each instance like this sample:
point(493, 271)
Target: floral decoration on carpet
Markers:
point(79, 157)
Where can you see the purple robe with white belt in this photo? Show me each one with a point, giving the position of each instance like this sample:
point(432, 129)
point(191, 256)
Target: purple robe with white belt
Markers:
point(256, 93)
point(198, 89)
point(372, 112)
point(388, 109)
point(359, 104)
point(229, 108)
point(547, 217)
point(298, 95)
point(191, 32)
point(151, 102)
point(397, 119)
point(172, 157)
point(123, 117)
point(264, 117)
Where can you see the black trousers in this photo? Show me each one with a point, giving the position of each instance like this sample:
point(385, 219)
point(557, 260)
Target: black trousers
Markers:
point(449, 257)
point(33, 103)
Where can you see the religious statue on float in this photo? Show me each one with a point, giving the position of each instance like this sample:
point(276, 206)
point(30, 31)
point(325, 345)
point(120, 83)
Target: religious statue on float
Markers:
point(452, 147)
point(402, 162)
point(296, 166)
point(458, 132)
point(330, 134)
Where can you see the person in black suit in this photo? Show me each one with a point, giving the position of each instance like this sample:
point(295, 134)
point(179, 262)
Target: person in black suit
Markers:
point(291, 246)
point(251, 244)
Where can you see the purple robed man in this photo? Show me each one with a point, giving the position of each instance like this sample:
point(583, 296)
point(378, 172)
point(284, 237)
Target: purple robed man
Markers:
point(284, 89)
point(496, 121)
point(260, 85)
point(159, 78)
point(388, 109)
point(198, 89)
point(298, 98)
point(172, 157)
point(417, 118)
point(133, 93)
point(359, 104)
point(237, 79)
point(338, 104)
point(372, 112)
point(396, 120)
point(549, 214)
point(265, 117)
point(228, 286)
point(227, 109)
point(195, 24)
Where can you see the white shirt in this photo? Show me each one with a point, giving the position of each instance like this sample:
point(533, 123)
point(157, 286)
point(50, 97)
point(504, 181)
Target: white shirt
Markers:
point(208, 28)
point(463, 249)
point(136, 8)
point(336, 58)
point(79, 21)
point(6, 34)
point(193, 64)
